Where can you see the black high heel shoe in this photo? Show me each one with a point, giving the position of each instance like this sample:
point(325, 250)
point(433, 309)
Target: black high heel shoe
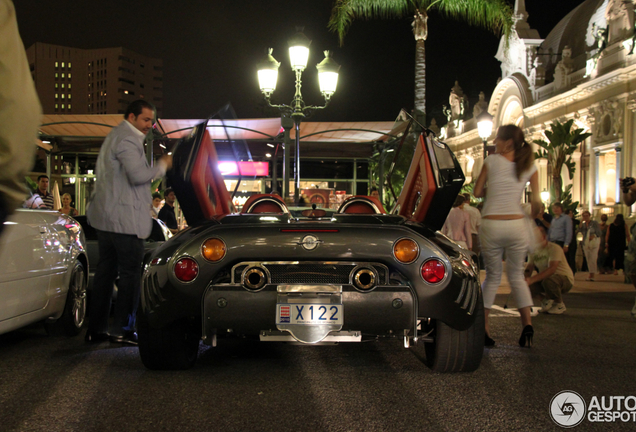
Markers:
point(489, 342)
point(526, 336)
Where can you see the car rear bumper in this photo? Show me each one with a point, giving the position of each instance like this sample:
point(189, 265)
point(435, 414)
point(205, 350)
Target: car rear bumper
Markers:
point(385, 310)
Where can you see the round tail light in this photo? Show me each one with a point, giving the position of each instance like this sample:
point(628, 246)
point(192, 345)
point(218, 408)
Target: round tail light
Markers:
point(186, 269)
point(213, 249)
point(433, 271)
point(406, 250)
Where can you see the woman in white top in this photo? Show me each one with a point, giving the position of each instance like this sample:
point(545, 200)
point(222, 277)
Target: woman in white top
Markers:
point(504, 229)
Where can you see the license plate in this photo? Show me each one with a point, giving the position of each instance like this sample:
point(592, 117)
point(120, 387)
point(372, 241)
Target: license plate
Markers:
point(309, 313)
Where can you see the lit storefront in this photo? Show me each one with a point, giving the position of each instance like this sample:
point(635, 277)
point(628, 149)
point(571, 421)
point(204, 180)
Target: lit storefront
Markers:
point(333, 163)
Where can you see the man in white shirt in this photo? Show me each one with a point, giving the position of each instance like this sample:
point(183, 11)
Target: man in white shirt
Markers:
point(475, 221)
point(554, 277)
point(118, 211)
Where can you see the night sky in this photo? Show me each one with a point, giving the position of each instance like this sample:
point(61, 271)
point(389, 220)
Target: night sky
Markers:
point(210, 49)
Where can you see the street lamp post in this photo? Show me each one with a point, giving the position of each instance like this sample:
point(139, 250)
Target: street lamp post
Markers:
point(297, 110)
point(484, 126)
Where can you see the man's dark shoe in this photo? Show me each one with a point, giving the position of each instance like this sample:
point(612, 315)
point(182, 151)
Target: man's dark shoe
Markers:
point(129, 338)
point(92, 337)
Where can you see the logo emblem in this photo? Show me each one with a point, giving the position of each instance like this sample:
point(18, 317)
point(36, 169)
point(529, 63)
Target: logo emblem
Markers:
point(310, 242)
point(567, 409)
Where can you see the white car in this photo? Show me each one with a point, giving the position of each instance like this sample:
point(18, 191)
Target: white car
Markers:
point(43, 272)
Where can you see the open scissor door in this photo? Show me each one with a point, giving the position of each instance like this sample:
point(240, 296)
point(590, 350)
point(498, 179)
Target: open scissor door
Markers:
point(433, 181)
point(196, 179)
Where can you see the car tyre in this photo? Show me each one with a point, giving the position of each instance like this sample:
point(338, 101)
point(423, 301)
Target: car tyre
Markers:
point(454, 350)
point(74, 315)
point(172, 347)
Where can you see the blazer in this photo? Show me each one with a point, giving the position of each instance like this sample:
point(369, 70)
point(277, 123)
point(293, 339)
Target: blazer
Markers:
point(121, 200)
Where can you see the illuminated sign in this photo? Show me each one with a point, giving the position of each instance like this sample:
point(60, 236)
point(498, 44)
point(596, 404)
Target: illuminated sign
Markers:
point(247, 168)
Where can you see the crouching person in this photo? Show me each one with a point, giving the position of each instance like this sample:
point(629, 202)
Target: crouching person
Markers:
point(554, 277)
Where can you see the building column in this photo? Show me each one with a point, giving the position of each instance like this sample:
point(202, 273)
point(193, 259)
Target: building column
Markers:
point(576, 181)
point(597, 180)
point(543, 174)
point(619, 174)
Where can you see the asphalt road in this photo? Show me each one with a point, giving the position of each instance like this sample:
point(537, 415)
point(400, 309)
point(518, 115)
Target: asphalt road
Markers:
point(59, 384)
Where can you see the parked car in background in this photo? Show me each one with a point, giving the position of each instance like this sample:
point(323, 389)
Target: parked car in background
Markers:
point(312, 276)
point(159, 234)
point(43, 272)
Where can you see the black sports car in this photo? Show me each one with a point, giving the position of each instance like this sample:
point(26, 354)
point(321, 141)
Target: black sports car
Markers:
point(345, 277)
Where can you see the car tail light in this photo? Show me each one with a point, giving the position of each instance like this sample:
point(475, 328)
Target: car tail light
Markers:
point(213, 249)
point(433, 271)
point(186, 269)
point(406, 250)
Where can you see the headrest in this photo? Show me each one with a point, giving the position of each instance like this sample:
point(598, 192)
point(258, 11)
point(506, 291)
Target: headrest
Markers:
point(362, 204)
point(265, 203)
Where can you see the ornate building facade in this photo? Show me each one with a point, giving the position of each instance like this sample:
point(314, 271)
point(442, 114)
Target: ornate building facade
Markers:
point(585, 70)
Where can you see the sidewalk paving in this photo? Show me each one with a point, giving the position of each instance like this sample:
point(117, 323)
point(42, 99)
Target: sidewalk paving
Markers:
point(602, 283)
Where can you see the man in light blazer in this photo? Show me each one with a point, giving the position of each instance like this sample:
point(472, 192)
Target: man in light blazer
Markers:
point(118, 210)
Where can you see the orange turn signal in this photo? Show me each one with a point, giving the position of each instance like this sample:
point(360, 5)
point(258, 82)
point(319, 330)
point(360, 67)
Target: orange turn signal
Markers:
point(406, 250)
point(213, 249)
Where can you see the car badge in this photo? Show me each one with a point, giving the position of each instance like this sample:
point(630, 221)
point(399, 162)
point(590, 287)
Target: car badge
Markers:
point(310, 242)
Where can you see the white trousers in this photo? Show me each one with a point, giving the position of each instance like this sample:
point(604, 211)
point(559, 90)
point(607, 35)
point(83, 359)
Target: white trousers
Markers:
point(510, 237)
point(590, 249)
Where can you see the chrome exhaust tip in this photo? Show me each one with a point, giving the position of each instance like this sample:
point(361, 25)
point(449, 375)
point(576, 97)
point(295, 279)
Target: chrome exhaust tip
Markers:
point(254, 278)
point(364, 279)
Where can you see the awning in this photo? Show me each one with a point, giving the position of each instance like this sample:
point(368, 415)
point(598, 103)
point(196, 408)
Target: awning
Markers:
point(85, 126)
point(246, 129)
point(343, 132)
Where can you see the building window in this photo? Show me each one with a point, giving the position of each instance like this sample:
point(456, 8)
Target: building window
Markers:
point(62, 85)
point(63, 75)
point(69, 75)
point(55, 75)
point(56, 65)
point(69, 96)
point(62, 65)
point(69, 86)
point(62, 95)
point(141, 85)
point(56, 107)
point(56, 85)
point(69, 65)
point(56, 96)
point(62, 106)
point(69, 106)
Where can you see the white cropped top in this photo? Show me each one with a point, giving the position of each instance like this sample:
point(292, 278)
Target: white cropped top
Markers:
point(503, 193)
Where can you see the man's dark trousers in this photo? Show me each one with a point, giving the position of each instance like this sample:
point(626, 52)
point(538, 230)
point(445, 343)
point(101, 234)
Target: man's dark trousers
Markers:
point(119, 254)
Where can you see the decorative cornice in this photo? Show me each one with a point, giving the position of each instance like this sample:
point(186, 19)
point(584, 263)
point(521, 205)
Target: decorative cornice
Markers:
point(581, 91)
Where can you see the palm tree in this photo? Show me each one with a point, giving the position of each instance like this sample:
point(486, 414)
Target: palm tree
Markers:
point(494, 15)
point(558, 149)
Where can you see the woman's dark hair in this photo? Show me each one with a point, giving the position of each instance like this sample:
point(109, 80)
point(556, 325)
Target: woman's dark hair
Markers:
point(620, 220)
point(459, 200)
point(524, 156)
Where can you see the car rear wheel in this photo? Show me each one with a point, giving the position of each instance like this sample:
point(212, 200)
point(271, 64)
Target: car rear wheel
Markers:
point(173, 347)
point(454, 350)
point(74, 315)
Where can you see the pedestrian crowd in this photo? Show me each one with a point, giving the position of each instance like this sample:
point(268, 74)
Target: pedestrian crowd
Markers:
point(543, 256)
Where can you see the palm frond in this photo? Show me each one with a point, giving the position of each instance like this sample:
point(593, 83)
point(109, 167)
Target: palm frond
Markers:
point(493, 15)
point(344, 12)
